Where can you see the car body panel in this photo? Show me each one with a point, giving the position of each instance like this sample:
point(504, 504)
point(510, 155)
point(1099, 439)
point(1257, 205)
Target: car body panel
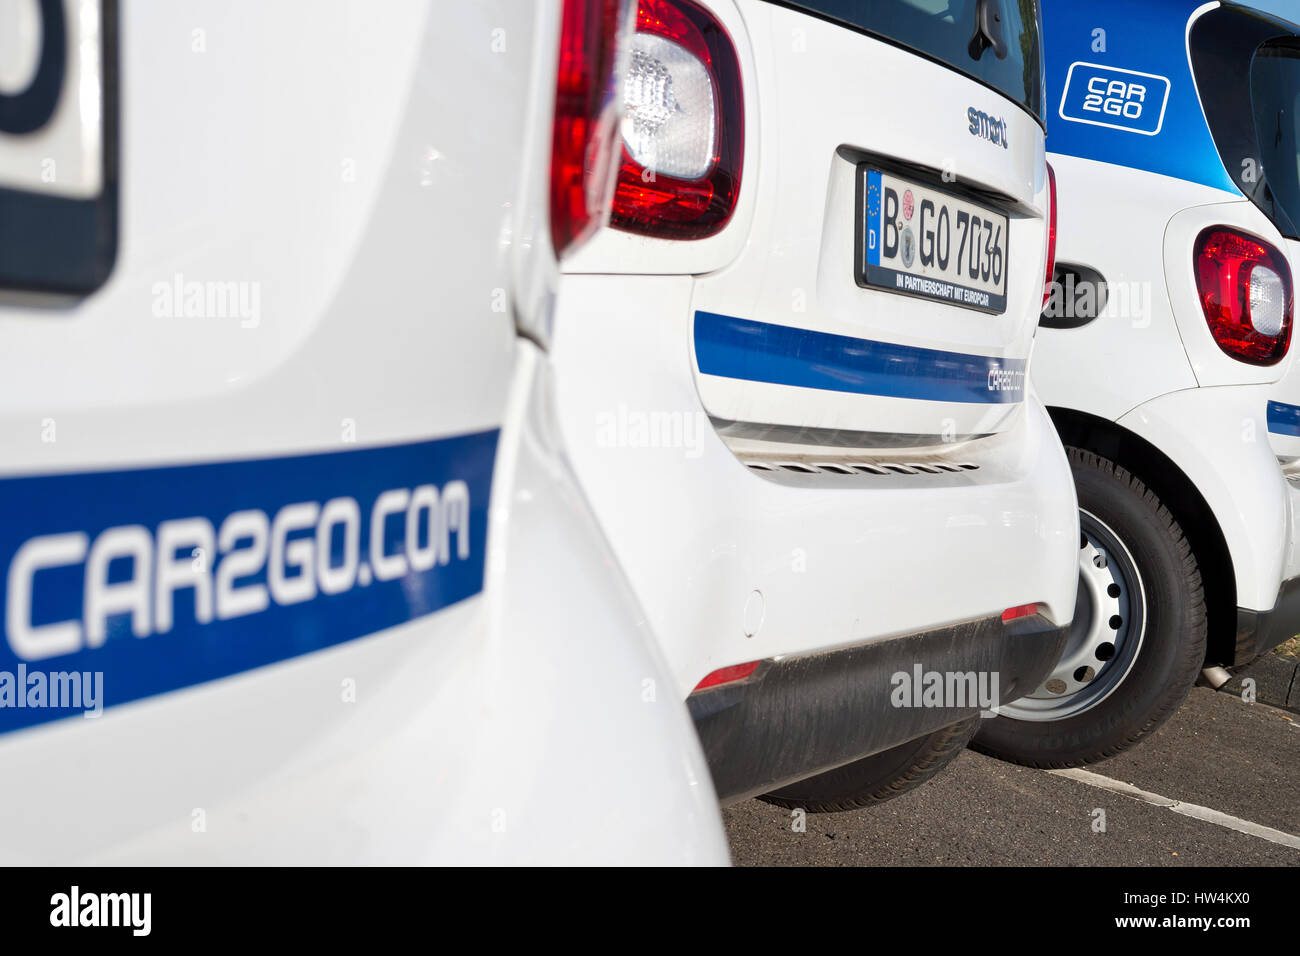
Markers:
point(383, 241)
point(1143, 44)
point(835, 560)
point(1132, 203)
point(1229, 460)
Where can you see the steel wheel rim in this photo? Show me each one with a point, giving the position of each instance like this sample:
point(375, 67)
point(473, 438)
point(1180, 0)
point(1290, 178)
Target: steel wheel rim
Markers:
point(1105, 636)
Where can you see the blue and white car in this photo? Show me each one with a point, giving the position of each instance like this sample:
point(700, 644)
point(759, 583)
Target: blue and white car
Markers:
point(1166, 359)
point(791, 377)
point(396, 467)
point(282, 508)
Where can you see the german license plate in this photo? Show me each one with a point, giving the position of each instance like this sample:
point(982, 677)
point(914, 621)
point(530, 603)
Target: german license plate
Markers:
point(918, 240)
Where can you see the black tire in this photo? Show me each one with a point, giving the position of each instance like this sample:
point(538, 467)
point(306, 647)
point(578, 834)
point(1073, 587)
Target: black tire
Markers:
point(1171, 651)
point(879, 777)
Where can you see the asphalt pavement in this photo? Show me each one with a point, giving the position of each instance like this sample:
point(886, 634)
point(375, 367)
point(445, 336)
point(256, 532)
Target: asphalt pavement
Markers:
point(1217, 785)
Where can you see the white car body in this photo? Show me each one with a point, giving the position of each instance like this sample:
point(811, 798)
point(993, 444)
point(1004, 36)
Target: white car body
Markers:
point(764, 520)
point(1146, 379)
point(373, 188)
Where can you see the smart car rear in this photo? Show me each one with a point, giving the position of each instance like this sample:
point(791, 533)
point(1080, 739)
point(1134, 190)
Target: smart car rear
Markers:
point(791, 375)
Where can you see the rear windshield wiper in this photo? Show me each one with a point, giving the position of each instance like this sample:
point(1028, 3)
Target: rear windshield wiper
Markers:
point(988, 30)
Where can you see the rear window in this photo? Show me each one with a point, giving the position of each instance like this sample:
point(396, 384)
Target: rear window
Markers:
point(943, 30)
point(1275, 93)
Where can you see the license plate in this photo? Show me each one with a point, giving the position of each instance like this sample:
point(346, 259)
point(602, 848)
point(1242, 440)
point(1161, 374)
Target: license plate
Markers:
point(58, 142)
point(918, 240)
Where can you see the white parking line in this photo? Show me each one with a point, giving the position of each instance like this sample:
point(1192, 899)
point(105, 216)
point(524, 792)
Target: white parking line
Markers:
point(1178, 806)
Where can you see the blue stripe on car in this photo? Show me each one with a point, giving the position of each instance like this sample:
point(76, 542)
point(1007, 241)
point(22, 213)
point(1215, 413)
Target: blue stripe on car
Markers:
point(781, 355)
point(1283, 419)
point(67, 538)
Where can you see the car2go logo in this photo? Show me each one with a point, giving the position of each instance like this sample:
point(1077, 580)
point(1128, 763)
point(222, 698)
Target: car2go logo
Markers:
point(166, 577)
point(1118, 99)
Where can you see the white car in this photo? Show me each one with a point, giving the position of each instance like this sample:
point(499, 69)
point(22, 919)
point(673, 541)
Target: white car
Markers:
point(312, 452)
point(294, 570)
point(1166, 359)
point(791, 377)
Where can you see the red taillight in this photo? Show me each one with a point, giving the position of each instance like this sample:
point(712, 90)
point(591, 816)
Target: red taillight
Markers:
point(1245, 289)
point(587, 111)
point(1015, 613)
point(1051, 234)
point(683, 125)
point(728, 675)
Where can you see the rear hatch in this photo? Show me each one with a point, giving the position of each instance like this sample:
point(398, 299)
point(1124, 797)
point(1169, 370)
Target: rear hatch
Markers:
point(889, 295)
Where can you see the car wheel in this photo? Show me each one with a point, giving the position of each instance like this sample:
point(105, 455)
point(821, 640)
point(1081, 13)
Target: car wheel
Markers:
point(1137, 641)
point(879, 777)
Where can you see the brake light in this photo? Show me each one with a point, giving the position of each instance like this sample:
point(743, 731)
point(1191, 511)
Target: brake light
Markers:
point(728, 675)
point(1244, 285)
point(1051, 234)
point(584, 139)
point(1015, 613)
point(683, 125)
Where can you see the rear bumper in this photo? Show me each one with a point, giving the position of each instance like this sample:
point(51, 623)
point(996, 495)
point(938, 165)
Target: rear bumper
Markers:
point(803, 715)
point(1260, 631)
